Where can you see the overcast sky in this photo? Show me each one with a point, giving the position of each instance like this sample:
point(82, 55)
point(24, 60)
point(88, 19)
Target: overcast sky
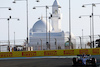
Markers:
point(19, 11)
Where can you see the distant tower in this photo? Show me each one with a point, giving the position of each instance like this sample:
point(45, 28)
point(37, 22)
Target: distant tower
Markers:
point(56, 17)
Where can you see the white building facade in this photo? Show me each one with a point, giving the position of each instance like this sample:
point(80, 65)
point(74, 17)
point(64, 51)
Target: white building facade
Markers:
point(55, 37)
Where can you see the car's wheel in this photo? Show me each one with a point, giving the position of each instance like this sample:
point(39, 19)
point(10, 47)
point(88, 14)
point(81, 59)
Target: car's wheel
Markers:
point(74, 61)
point(80, 62)
point(93, 61)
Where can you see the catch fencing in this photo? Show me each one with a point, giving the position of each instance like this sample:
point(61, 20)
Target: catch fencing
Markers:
point(78, 42)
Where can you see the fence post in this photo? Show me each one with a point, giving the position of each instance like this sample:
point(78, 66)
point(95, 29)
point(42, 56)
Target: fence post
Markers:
point(80, 42)
point(56, 42)
point(41, 44)
point(90, 42)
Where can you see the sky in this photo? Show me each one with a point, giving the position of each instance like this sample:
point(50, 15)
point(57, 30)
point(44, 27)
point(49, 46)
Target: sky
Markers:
point(19, 11)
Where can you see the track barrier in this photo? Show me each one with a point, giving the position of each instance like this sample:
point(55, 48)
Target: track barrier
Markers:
point(71, 52)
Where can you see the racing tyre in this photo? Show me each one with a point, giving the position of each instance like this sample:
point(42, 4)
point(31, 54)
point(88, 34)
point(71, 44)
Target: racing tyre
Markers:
point(80, 63)
point(93, 62)
point(74, 61)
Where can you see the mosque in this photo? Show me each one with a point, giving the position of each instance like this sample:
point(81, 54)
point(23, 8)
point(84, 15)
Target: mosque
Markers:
point(45, 36)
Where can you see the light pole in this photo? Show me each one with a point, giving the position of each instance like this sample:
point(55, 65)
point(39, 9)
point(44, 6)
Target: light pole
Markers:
point(26, 17)
point(46, 21)
point(49, 32)
point(8, 34)
point(90, 24)
point(9, 30)
point(8, 19)
point(46, 27)
point(92, 20)
point(69, 23)
point(93, 4)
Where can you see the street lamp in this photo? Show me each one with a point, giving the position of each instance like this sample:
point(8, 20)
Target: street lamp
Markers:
point(90, 24)
point(27, 17)
point(93, 4)
point(69, 24)
point(8, 29)
point(46, 20)
point(92, 20)
point(7, 8)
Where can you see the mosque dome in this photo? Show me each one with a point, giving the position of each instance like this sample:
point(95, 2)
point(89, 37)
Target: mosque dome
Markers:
point(40, 26)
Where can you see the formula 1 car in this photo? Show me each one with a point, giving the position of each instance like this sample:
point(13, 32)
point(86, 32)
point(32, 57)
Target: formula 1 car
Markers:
point(84, 60)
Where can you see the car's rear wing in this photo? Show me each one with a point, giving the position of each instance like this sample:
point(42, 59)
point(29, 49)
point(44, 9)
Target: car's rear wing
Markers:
point(84, 55)
point(79, 55)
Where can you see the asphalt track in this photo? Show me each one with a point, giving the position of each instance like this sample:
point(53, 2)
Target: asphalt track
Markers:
point(37, 62)
point(41, 62)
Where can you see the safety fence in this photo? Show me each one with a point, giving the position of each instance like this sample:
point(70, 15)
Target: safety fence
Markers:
point(55, 43)
point(95, 51)
point(87, 41)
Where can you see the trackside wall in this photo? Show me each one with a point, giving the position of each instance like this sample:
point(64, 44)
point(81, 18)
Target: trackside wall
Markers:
point(95, 51)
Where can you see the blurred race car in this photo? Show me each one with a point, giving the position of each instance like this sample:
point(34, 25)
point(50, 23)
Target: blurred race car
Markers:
point(84, 60)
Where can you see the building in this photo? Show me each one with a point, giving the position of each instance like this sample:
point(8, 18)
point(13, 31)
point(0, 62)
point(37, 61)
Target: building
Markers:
point(44, 37)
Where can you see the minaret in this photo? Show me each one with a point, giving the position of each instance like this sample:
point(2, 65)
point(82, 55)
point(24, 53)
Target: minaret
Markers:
point(56, 17)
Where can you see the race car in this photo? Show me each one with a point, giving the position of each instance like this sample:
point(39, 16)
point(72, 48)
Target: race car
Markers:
point(84, 60)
